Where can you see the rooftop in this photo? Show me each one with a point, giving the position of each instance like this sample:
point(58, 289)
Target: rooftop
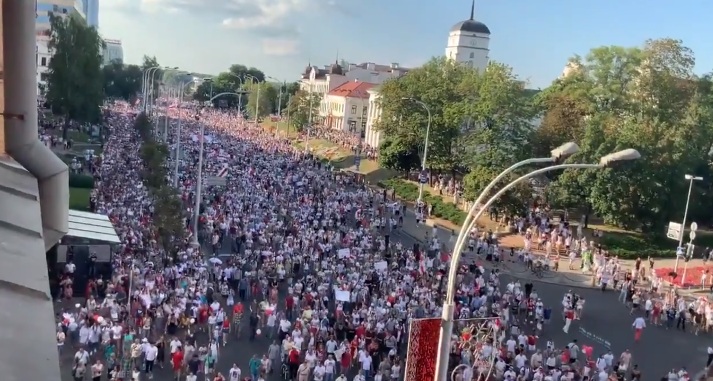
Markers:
point(355, 89)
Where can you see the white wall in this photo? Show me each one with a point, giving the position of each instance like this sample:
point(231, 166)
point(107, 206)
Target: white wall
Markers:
point(469, 48)
point(372, 137)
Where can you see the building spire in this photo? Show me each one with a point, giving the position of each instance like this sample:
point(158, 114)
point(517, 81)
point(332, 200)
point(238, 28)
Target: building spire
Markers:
point(472, 10)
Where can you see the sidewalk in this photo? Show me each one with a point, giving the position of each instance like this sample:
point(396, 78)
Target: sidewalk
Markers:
point(565, 276)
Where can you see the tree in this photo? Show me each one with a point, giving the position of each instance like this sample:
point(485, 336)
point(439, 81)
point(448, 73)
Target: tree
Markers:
point(74, 78)
point(265, 103)
point(168, 209)
point(481, 122)
point(398, 155)
point(232, 80)
point(645, 98)
point(298, 108)
point(148, 63)
point(122, 81)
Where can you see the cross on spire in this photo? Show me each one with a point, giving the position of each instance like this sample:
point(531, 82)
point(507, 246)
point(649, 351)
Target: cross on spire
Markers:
point(472, 10)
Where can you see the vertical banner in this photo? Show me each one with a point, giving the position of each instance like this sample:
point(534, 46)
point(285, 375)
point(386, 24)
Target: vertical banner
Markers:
point(422, 349)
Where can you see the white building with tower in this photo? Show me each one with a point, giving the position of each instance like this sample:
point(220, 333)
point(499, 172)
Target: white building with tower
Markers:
point(468, 42)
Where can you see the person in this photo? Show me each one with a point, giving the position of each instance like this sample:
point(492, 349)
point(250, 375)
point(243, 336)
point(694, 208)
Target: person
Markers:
point(303, 371)
point(254, 366)
point(97, 370)
point(150, 355)
point(234, 373)
point(639, 325)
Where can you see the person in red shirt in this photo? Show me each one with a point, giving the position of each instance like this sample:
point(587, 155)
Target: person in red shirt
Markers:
point(226, 331)
point(289, 306)
point(177, 362)
point(360, 330)
point(293, 361)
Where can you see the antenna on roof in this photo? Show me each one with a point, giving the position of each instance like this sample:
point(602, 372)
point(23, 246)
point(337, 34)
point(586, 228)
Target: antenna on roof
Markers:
point(472, 10)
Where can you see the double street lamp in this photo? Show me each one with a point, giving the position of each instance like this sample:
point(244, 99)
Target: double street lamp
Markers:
point(558, 154)
point(690, 179)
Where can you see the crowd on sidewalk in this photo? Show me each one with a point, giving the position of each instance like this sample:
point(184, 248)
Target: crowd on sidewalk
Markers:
point(312, 265)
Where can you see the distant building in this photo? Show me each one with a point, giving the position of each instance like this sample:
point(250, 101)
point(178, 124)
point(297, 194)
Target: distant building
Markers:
point(91, 10)
point(323, 81)
point(347, 107)
point(42, 29)
point(468, 42)
point(113, 51)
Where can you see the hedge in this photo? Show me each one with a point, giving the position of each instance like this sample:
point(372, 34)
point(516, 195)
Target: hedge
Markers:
point(77, 180)
point(441, 209)
point(632, 245)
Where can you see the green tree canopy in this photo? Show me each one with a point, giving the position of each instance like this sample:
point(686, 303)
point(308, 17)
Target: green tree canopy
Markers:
point(231, 80)
point(122, 81)
point(645, 98)
point(298, 108)
point(262, 99)
point(481, 122)
point(74, 84)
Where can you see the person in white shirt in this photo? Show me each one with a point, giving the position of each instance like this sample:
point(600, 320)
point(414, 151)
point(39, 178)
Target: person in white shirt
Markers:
point(191, 377)
point(150, 353)
point(639, 325)
point(330, 367)
point(319, 371)
point(234, 373)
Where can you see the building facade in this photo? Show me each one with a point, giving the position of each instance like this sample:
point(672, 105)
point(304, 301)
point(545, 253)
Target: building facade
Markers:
point(113, 51)
point(347, 107)
point(324, 80)
point(372, 137)
point(91, 10)
point(43, 32)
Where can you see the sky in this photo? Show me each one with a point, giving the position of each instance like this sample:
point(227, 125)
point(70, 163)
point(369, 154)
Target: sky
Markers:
point(280, 37)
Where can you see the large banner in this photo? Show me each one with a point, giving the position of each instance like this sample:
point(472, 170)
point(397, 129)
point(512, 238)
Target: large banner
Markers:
point(422, 349)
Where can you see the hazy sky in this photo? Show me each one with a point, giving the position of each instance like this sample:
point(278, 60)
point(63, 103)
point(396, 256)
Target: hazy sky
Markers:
point(280, 37)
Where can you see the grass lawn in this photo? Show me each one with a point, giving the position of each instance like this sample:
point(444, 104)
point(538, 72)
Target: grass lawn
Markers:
point(79, 198)
point(74, 135)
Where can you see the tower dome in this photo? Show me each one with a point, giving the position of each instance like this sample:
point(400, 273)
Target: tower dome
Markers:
point(471, 25)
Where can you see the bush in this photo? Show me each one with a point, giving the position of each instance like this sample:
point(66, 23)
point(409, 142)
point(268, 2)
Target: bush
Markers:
point(441, 209)
point(632, 245)
point(81, 181)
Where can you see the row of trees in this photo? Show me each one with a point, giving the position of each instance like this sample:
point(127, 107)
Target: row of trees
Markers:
point(168, 217)
point(646, 98)
point(247, 81)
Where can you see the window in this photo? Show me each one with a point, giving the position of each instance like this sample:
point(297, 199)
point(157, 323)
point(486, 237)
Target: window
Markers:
point(44, 77)
point(64, 11)
point(43, 61)
point(472, 55)
point(354, 108)
point(364, 111)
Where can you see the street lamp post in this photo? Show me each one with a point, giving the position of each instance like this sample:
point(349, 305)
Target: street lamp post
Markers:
point(145, 86)
point(448, 304)
point(422, 179)
point(691, 179)
point(181, 89)
point(255, 82)
point(199, 179)
point(309, 118)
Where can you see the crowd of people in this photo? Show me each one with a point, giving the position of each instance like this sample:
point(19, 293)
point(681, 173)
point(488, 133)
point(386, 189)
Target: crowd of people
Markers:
point(346, 139)
point(305, 257)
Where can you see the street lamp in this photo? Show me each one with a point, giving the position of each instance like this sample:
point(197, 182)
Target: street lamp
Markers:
point(448, 304)
point(199, 178)
point(690, 179)
point(145, 85)
point(309, 118)
point(422, 178)
point(255, 82)
point(181, 91)
point(150, 95)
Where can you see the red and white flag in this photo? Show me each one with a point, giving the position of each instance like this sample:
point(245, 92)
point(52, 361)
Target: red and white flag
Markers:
point(223, 171)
